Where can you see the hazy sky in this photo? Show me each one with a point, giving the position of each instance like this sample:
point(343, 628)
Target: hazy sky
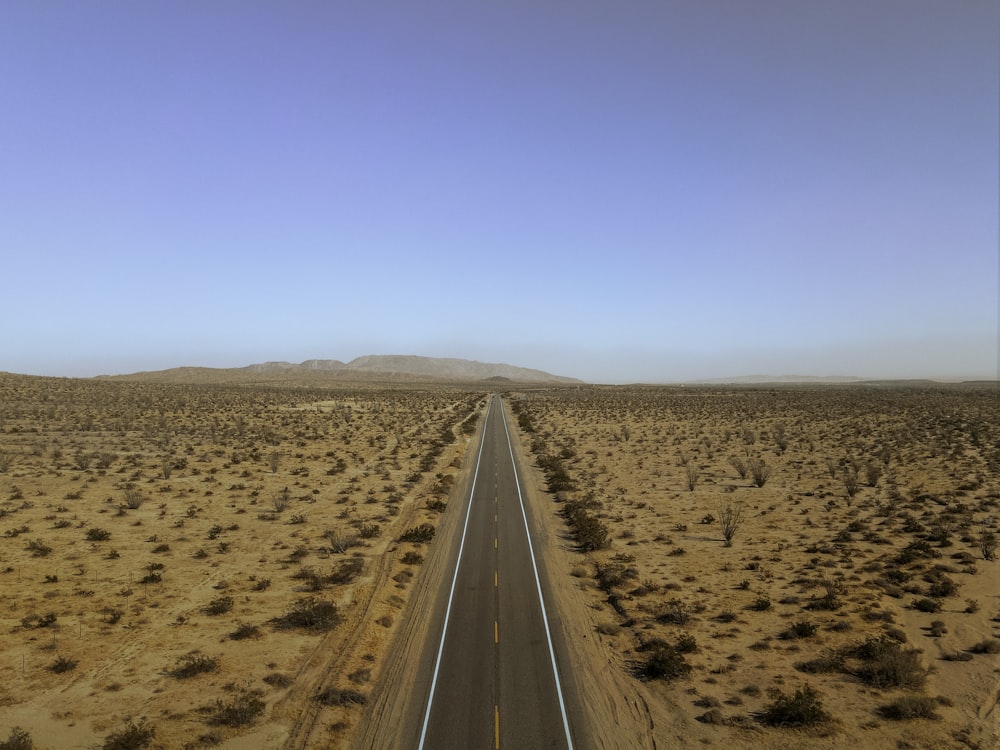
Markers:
point(648, 190)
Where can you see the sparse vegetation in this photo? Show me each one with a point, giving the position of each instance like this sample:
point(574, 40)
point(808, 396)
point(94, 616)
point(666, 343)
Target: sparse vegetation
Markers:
point(647, 564)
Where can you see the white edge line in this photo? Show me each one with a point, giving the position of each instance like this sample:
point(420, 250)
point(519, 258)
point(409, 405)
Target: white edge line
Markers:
point(538, 584)
point(454, 580)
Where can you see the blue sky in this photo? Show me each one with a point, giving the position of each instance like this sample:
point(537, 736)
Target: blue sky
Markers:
point(641, 191)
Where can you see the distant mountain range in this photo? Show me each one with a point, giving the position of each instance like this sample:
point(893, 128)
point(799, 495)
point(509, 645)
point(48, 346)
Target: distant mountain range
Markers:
point(398, 368)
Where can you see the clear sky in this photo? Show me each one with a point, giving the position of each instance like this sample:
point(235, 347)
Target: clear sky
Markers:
point(651, 190)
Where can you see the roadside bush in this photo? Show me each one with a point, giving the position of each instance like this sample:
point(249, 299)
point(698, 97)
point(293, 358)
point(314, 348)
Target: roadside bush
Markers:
point(98, 535)
point(590, 532)
point(418, 534)
point(664, 663)
point(333, 696)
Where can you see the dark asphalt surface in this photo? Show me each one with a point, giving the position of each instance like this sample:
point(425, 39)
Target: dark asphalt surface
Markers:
point(495, 686)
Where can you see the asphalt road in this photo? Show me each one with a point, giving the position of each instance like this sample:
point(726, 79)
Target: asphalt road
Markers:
point(494, 677)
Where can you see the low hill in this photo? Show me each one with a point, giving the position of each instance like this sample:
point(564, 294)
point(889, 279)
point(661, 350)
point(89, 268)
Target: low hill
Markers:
point(396, 368)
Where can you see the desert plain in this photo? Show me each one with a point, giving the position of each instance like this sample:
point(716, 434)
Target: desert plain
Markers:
point(193, 565)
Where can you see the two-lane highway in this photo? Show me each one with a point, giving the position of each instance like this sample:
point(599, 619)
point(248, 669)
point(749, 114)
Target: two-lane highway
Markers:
point(495, 680)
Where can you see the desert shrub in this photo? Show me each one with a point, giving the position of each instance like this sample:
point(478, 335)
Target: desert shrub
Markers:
point(691, 476)
point(687, 644)
point(262, 585)
point(832, 589)
point(333, 696)
point(886, 664)
point(910, 707)
point(801, 709)
point(63, 664)
point(347, 571)
point(219, 606)
point(38, 548)
point(673, 612)
point(132, 498)
point(590, 532)
point(612, 574)
point(412, 558)
point(927, 605)
point(309, 614)
point(418, 534)
point(18, 739)
point(759, 470)
point(244, 708)
point(942, 586)
point(826, 664)
point(987, 543)
point(740, 465)
point(97, 535)
point(340, 542)
point(277, 680)
point(369, 530)
point(556, 476)
point(245, 630)
point(192, 665)
point(988, 646)
point(851, 482)
point(937, 628)
point(731, 517)
point(801, 629)
point(132, 737)
point(761, 604)
point(664, 663)
point(915, 550)
point(39, 621)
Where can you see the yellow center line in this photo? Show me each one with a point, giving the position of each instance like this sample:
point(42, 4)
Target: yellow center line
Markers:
point(496, 632)
point(496, 579)
point(496, 725)
point(496, 543)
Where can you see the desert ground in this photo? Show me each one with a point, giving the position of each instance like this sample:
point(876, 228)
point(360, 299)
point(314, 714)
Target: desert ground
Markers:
point(195, 566)
point(857, 601)
point(228, 565)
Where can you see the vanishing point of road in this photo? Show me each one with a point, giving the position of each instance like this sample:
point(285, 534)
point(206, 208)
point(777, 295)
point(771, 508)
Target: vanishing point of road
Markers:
point(495, 681)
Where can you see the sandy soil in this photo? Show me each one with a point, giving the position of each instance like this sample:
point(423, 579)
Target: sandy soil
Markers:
point(814, 573)
point(217, 548)
point(258, 571)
